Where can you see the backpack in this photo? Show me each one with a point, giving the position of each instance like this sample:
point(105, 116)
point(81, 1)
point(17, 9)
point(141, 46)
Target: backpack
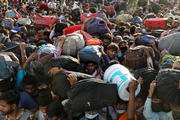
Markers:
point(168, 88)
point(96, 25)
point(168, 60)
point(90, 54)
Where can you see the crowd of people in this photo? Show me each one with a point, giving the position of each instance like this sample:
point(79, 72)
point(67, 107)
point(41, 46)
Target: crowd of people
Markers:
point(54, 56)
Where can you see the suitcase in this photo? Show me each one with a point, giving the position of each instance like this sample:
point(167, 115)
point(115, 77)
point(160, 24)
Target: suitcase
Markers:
point(156, 23)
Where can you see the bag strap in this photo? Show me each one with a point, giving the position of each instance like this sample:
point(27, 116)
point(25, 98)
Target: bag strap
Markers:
point(5, 50)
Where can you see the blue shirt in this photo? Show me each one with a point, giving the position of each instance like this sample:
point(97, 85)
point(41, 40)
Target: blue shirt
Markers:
point(26, 101)
point(150, 115)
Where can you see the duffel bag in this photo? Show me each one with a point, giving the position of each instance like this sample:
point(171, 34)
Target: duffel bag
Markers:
point(168, 60)
point(148, 38)
point(73, 43)
point(89, 39)
point(60, 84)
point(168, 88)
point(156, 23)
point(136, 58)
point(67, 62)
point(171, 43)
point(71, 29)
point(90, 54)
point(91, 94)
point(96, 25)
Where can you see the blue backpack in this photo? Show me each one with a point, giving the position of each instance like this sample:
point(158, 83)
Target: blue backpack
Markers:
point(96, 25)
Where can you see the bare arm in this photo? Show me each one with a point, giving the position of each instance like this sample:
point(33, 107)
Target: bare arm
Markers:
point(131, 104)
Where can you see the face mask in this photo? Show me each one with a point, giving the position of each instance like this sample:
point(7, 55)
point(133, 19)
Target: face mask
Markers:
point(121, 111)
point(156, 107)
point(88, 116)
point(123, 49)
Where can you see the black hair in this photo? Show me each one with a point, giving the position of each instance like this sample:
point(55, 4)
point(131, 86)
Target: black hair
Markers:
point(107, 36)
point(126, 31)
point(29, 80)
point(113, 47)
point(44, 97)
point(132, 29)
point(47, 33)
point(4, 31)
point(113, 62)
point(11, 97)
point(122, 42)
point(55, 109)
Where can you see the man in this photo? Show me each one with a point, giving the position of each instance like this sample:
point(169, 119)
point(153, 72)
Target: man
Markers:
point(93, 69)
point(9, 109)
point(154, 108)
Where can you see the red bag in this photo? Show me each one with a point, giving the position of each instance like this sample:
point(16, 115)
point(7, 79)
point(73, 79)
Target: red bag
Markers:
point(89, 39)
point(109, 9)
point(85, 16)
point(72, 29)
point(45, 20)
point(156, 23)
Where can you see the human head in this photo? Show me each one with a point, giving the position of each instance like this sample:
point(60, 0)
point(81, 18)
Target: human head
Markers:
point(91, 67)
point(29, 83)
point(16, 37)
point(91, 114)
point(112, 50)
point(44, 99)
point(106, 39)
point(123, 46)
point(55, 110)
point(9, 101)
